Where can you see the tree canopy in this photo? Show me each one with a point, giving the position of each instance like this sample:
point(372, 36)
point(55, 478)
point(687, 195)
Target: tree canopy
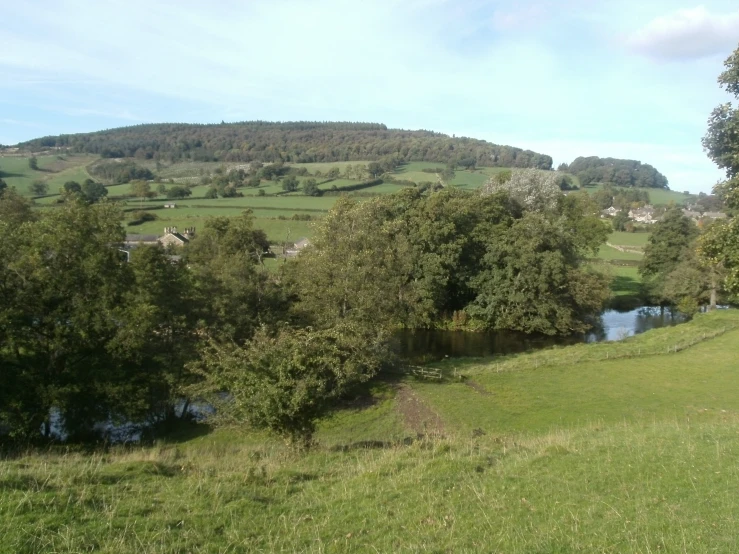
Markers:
point(288, 142)
point(621, 173)
point(720, 246)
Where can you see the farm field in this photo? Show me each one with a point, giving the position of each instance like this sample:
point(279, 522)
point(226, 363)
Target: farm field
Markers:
point(53, 170)
point(638, 240)
point(632, 455)
point(658, 197)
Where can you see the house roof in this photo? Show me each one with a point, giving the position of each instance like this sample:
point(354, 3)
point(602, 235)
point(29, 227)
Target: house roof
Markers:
point(141, 238)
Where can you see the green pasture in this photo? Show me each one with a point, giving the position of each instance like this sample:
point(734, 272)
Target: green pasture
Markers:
point(657, 197)
point(53, 170)
point(609, 253)
point(631, 455)
point(629, 239)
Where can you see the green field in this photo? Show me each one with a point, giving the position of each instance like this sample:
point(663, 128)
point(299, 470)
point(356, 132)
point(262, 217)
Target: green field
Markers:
point(629, 455)
point(53, 170)
point(658, 197)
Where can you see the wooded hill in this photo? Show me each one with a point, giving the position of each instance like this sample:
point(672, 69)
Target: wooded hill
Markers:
point(621, 173)
point(296, 142)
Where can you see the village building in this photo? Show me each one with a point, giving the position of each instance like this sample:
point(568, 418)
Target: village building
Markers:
point(643, 215)
point(171, 237)
point(609, 212)
point(296, 248)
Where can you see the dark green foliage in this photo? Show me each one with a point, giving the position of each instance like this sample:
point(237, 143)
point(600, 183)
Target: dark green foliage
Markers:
point(310, 188)
point(118, 172)
point(290, 183)
point(178, 192)
point(39, 188)
point(142, 216)
point(670, 242)
point(413, 260)
point(621, 173)
point(93, 191)
point(620, 220)
point(285, 382)
point(72, 187)
point(33, 163)
point(211, 193)
point(290, 142)
point(3, 185)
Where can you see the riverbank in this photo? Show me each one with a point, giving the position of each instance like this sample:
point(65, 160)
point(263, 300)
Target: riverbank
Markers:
point(629, 455)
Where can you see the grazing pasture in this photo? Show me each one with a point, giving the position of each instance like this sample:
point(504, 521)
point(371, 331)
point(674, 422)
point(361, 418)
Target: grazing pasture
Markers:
point(628, 455)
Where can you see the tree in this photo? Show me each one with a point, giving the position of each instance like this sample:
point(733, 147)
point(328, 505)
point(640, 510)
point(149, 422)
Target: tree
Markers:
point(285, 382)
point(374, 169)
point(670, 241)
point(720, 246)
point(3, 186)
point(140, 189)
point(532, 188)
point(290, 183)
point(447, 176)
point(72, 187)
point(39, 188)
point(60, 305)
point(178, 192)
point(33, 163)
point(620, 220)
point(333, 173)
point(310, 187)
point(211, 193)
point(93, 191)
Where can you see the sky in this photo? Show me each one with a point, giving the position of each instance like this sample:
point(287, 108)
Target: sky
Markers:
point(628, 79)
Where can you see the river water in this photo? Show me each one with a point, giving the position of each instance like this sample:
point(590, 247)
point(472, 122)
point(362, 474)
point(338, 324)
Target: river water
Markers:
point(612, 325)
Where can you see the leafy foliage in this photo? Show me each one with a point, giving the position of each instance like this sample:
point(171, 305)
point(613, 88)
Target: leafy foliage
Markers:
point(622, 173)
point(286, 382)
point(720, 245)
point(289, 142)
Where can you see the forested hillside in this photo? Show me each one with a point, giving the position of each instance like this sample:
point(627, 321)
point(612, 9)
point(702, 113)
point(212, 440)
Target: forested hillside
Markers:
point(301, 142)
point(621, 173)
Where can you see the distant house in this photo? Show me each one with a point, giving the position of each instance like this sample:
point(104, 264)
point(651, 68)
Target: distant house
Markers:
point(173, 238)
point(643, 215)
point(170, 205)
point(296, 248)
point(609, 212)
point(132, 241)
point(714, 215)
point(691, 214)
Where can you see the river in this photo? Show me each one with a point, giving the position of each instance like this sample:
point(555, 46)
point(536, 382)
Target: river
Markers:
point(612, 325)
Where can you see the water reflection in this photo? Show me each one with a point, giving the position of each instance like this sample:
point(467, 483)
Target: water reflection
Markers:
point(612, 325)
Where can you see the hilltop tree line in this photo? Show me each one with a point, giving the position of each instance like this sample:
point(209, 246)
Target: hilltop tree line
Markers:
point(91, 337)
point(295, 142)
point(612, 171)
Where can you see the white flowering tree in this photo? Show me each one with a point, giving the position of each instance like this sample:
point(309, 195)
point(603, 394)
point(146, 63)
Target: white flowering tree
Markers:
point(534, 189)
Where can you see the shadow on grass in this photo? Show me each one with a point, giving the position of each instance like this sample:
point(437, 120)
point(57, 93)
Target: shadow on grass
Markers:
point(626, 286)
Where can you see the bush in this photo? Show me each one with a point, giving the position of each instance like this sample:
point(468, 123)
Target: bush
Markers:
point(285, 382)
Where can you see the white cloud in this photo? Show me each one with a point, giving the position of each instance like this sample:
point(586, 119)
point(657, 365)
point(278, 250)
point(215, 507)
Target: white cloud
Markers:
point(687, 34)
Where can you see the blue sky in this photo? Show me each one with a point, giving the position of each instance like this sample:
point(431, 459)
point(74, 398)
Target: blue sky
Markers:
point(629, 79)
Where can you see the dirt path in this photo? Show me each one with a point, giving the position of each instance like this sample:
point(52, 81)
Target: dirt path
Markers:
point(478, 387)
point(416, 413)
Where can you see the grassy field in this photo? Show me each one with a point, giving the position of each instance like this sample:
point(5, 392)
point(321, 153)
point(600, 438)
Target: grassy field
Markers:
point(634, 455)
point(53, 170)
point(658, 197)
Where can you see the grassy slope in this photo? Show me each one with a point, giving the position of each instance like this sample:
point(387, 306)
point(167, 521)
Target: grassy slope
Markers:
point(633, 456)
point(52, 170)
point(658, 197)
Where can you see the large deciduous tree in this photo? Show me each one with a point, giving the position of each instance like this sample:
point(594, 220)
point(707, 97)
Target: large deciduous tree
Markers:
point(720, 245)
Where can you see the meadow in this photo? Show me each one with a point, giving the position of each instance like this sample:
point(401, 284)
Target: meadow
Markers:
point(52, 170)
point(657, 197)
point(628, 455)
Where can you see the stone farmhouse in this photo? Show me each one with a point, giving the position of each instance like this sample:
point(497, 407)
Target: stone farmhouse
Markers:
point(171, 237)
point(644, 215)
